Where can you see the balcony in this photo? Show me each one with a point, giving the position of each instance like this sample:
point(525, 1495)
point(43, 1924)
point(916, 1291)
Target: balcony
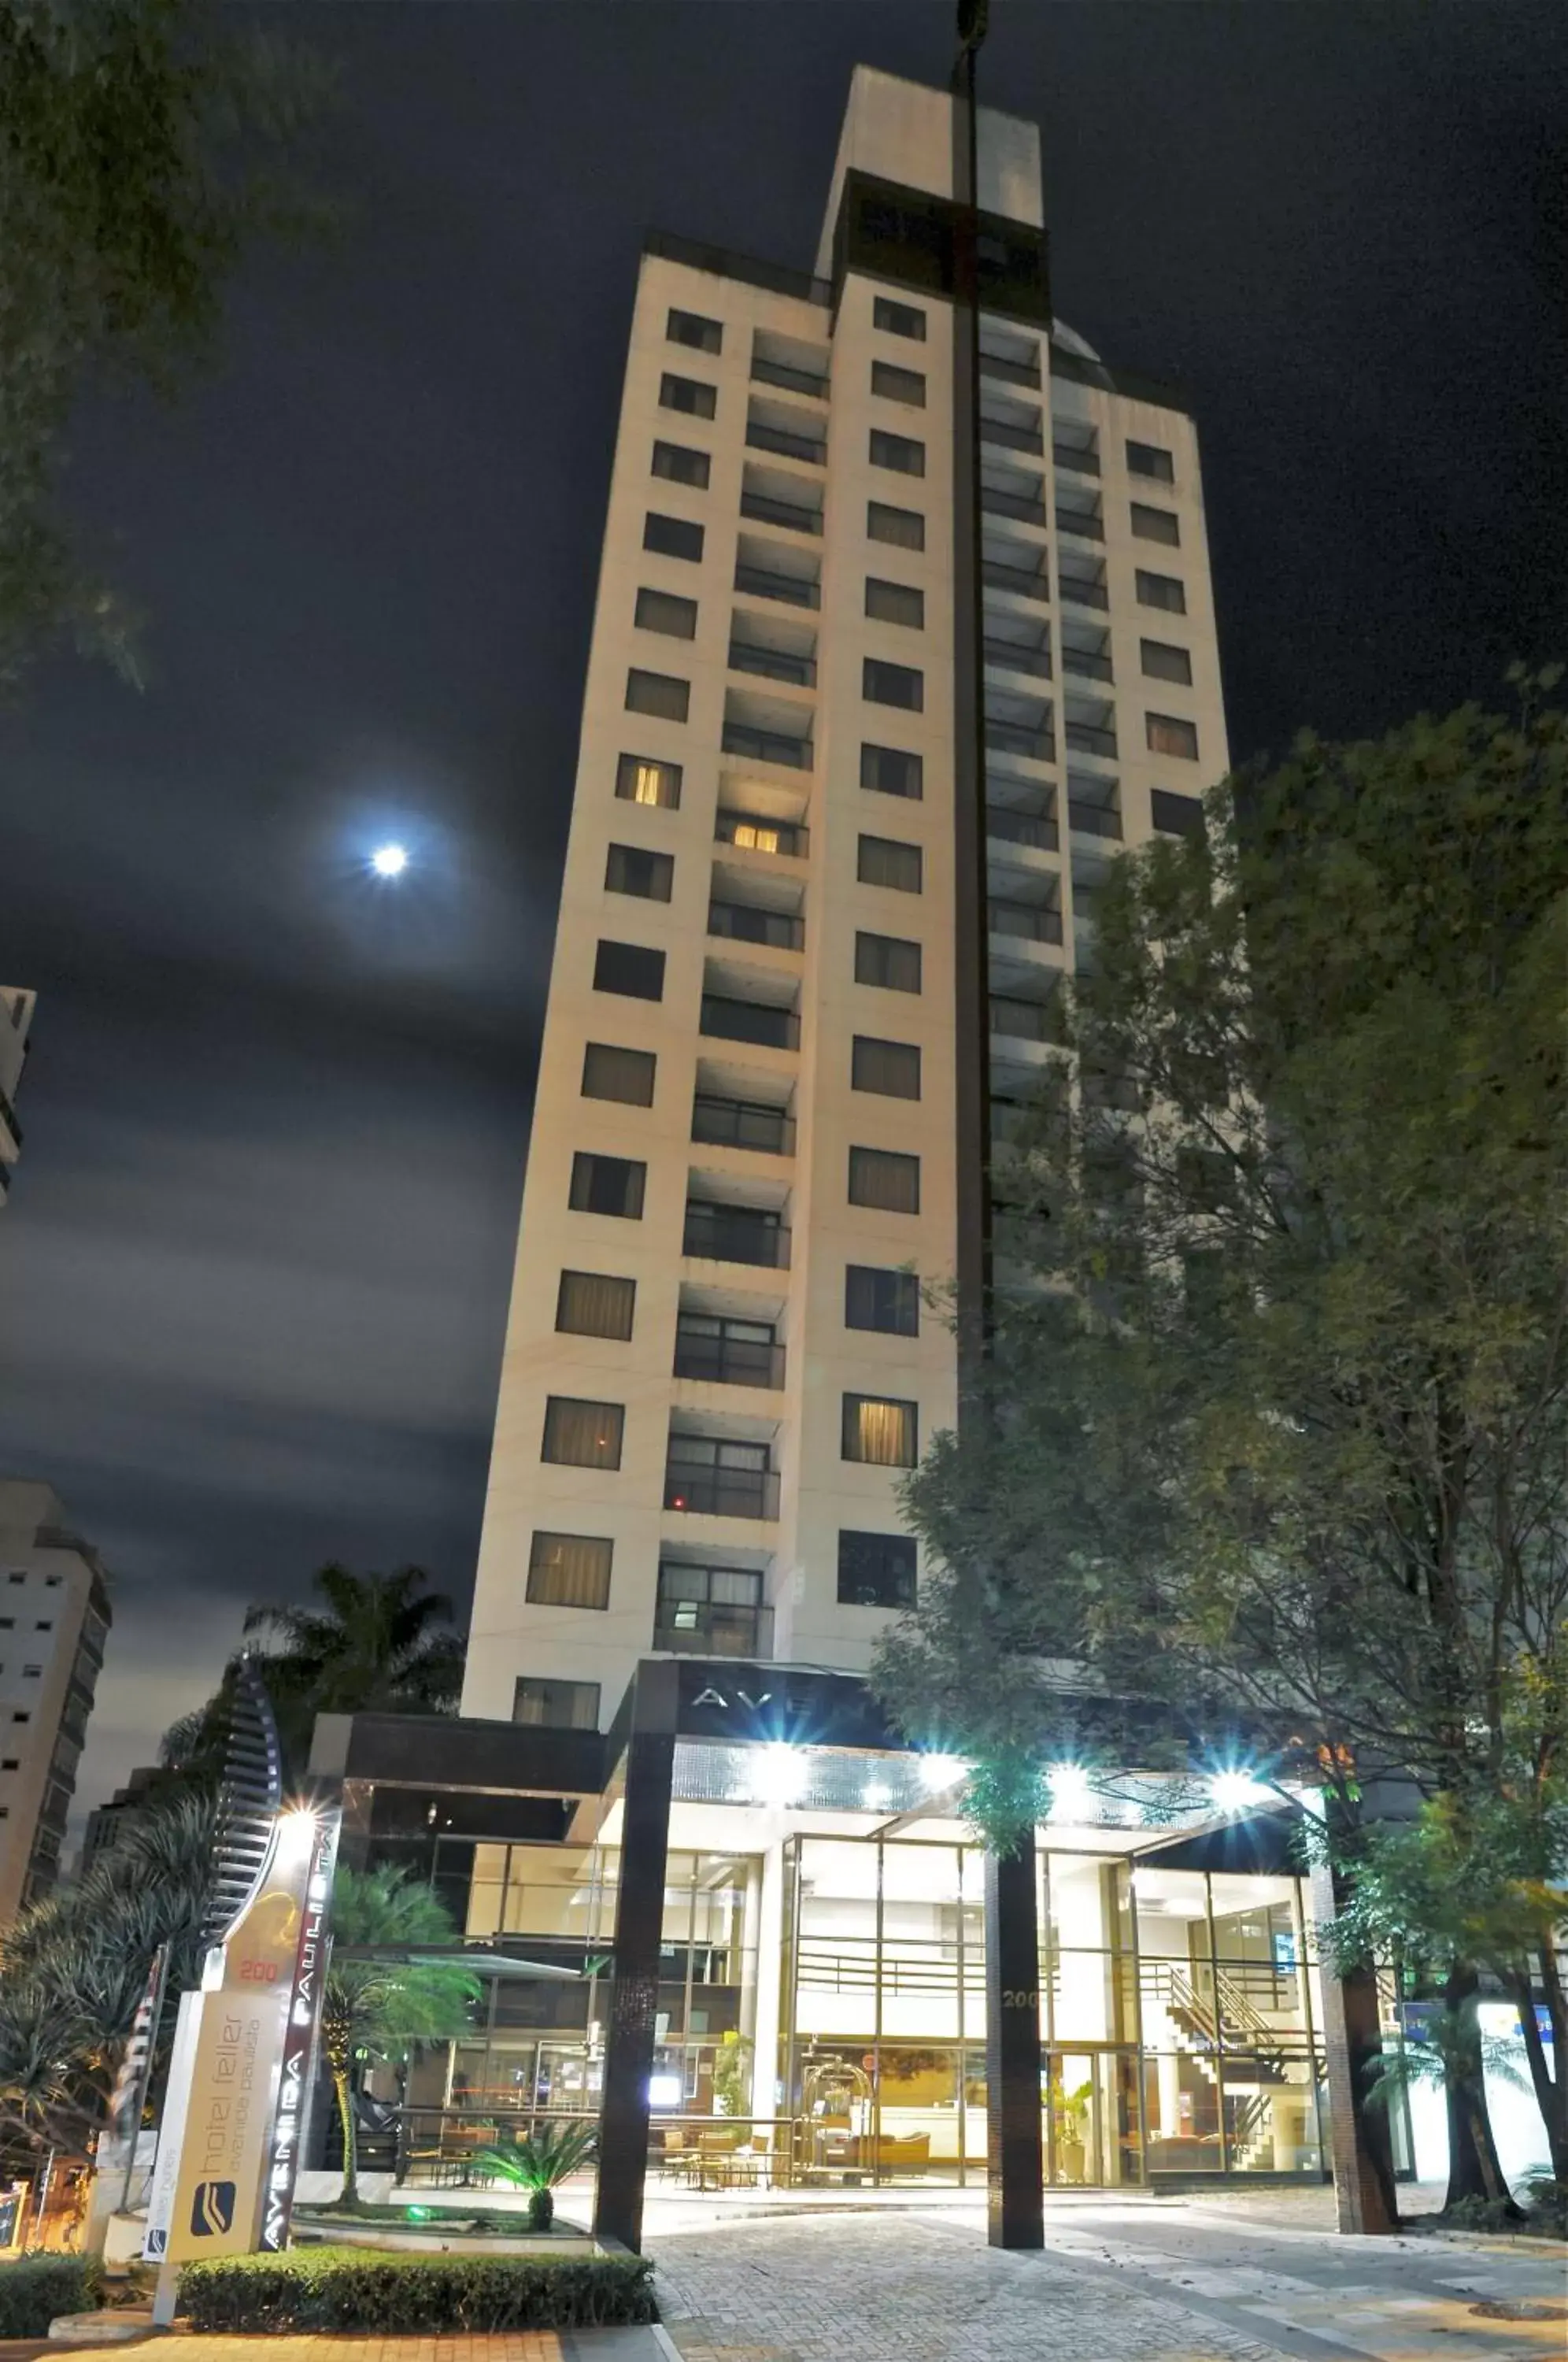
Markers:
point(742, 1123)
point(1090, 739)
point(749, 834)
point(1036, 829)
point(1032, 922)
point(767, 745)
point(1028, 508)
point(1010, 438)
point(763, 438)
point(762, 582)
point(1024, 1021)
point(748, 923)
point(793, 380)
point(710, 1630)
point(1023, 581)
point(1014, 656)
point(704, 1491)
point(773, 664)
point(1012, 738)
point(735, 1234)
point(1084, 590)
point(1082, 459)
point(1093, 819)
point(1011, 372)
point(1088, 523)
point(1088, 663)
point(727, 1361)
point(749, 1021)
point(764, 508)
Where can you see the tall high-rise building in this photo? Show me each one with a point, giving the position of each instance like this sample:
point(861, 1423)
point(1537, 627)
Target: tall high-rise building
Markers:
point(15, 1017)
point(746, 1158)
point(55, 1614)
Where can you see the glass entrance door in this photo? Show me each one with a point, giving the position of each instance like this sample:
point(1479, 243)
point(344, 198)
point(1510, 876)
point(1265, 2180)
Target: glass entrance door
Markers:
point(1091, 2119)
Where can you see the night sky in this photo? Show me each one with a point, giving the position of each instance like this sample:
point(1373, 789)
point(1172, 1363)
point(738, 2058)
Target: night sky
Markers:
point(254, 1268)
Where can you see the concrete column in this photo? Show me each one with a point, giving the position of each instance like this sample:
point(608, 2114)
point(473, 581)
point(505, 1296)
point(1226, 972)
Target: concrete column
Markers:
point(1014, 2167)
point(639, 1917)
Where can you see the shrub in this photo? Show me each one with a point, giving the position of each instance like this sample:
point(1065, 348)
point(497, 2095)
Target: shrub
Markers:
point(35, 2289)
point(327, 2288)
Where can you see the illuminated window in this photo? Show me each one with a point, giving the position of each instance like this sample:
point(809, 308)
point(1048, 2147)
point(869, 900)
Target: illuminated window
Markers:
point(640, 780)
point(582, 1434)
point(569, 1571)
point(880, 1431)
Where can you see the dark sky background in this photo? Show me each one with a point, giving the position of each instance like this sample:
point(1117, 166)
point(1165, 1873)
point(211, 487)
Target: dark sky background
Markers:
point(254, 1269)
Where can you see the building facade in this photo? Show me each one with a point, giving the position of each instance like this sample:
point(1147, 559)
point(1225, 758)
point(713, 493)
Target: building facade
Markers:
point(55, 1614)
point(744, 1170)
point(16, 1020)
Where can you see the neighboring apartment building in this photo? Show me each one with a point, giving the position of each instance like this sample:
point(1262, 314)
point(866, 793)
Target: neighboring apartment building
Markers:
point(54, 1619)
point(16, 1018)
point(742, 1167)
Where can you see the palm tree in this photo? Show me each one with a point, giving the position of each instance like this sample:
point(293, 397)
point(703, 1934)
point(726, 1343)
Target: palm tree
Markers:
point(370, 1648)
point(380, 1996)
point(556, 2148)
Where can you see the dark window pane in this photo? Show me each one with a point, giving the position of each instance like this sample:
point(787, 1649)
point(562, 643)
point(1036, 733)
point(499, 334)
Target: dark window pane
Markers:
point(658, 692)
point(1169, 735)
point(1148, 459)
point(631, 969)
point(607, 1185)
point(875, 1569)
point(1155, 524)
point(1162, 662)
point(569, 1571)
point(897, 452)
point(670, 536)
point(899, 319)
point(611, 1072)
point(905, 528)
point(890, 1068)
point(883, 1432)
point(887, 1300)
point(1176, 815)
point(897, 384)
point(555, 1705)
point(880, 1177)
point(895, 602)
point(884, 861)
point(661, 610)
point(681, 465)
point(1161, 591)
point(582, 1434)
point(686, 394)
point(593, 1304)
point(893, 771)
point(890, 684)
point(887, 960)
point(631, 870)
point(640, 780)
point(691, 328)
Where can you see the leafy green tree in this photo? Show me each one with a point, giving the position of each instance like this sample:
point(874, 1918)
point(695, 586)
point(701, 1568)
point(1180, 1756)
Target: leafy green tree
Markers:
point(140, 146)
point(1275, 1429)
point(380, 1997)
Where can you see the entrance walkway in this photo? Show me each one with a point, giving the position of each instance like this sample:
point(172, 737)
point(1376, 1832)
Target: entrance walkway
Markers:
point(1161, 2280)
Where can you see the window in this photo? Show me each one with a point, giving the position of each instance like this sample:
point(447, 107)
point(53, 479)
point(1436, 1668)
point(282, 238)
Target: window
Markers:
point(875, 1569)
point(892, 772)
point(16, 1578)
point(555, 1705)
point(661, 610)
point(884, 861)
point(899, 319)
point(686, 394)
point(630, 870)
point(22, 1716)
point(1148, 459)
point(1162, 662)
point(582, 1434)
point(631, 969)
point(1161, 591)
point(890, 684)
point(670, 536)
point(897, 452)
point(640, 780)
point(656, 692)
point(1169, 735)
point(895, 602)
point(881, 1432)
point(887, 960)
point(7, 1623)
point(1176, 815)
point(890, 1068)
point(888, 1300)
point(31, 1673)
point(680, 465)
point(1155, 524)
point(44, 1625)
point(10, 1762)
point(897, 384)
point(611, 1073)
point(607, 1185)
point(591, 1304)
point(691, 328)
point(878, 1177)
point(569, 1571)
point(904, 528)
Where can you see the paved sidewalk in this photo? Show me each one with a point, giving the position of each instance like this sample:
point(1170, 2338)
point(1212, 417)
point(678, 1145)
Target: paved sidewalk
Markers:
point(513, 2346)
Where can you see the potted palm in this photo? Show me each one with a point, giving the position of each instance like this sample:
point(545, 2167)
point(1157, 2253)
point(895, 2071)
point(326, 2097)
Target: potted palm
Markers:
point(539, 2162)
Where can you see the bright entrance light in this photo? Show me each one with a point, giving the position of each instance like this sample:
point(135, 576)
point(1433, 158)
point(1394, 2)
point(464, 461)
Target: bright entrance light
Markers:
point(390, 860)
point(1233, 1792)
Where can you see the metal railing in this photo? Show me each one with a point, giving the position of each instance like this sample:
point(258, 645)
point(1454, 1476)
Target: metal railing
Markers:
point(747, 923)
point(1013, 372)
point(750, 834)
point(1085, 462)
point(762, 582)
point(794, 380)
point(1011, 438)
point(1094, 820)
point(1033, 922)
point(703, 1491)
point(727, 1361)
point(1086, 523)
point(1090, 738)
point(1086, 662)
point(1023, 581)
point(767, 745)
point(727, 1234)
point(1012, 738)
point(774, 664)
point(791, 446)
point(1027, 508)
point(742, 1123)
point(765, 510)
point(1013, 827)
point(718, 1631)
point(1015, 659)
point(1084, 591)
point(762, 1022)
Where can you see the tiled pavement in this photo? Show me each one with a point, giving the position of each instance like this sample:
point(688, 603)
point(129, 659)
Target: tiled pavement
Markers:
point(516, 2346)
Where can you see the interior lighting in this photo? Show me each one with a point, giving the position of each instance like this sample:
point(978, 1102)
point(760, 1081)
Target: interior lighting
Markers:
point(390, 860)
point(876, 1798)
point(938, 1772)
point(1070, 1792)
point(780, 1775)
point(1233, 1791)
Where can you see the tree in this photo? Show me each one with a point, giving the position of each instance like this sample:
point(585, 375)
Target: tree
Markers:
point(139, 147)
point(1277, 1426)
point(541, 2161)
point(378, 2000)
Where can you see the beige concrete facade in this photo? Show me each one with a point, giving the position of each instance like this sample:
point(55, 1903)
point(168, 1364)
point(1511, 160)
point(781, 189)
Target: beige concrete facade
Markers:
point(54, 1620)
point(804, 389)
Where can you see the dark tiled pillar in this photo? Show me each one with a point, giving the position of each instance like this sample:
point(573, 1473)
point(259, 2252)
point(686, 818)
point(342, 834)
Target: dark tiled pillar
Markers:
point(1014, 2167)
point(639, 1921)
